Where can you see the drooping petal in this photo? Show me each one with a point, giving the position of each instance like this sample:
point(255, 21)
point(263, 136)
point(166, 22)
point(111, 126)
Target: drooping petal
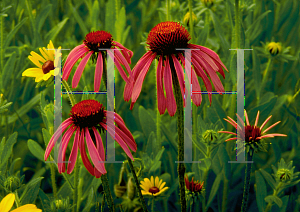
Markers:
point(122, 60)
point(33, 72)
point(95, 156)
point(73, 52)
point(196, 97)
point(100, 150)
point(126, 52)
point(37, 56)
point(161, 99)
point(73, 59)
point(180, 76)
point(85, 159)
point(171, 103)
point(119, 67)
point(79, 69)
point(98, 72)
point(139, 81)
point(56, 135)
point(35, 61)
point(74, 152)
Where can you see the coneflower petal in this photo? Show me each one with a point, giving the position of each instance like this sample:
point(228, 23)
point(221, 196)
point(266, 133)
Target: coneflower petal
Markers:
point(161, 99)
point(265, 122)
point(73, 155)
point(171, 103)
point(98, 72)
point(68, 66)
point(196, 97)
point(256, 120)
point(122, 60)
point(180, 76)
point(247, 120)
point(126, 52)
point(85, 159)
point(79, 69)
point(273, 125)
point(119, 67)
point(73, 53)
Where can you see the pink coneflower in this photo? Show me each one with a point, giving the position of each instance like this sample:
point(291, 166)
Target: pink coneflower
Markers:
point(163, 40)
point(90, 47)
point(193, 185)
point(251, 134)
point(87, 117)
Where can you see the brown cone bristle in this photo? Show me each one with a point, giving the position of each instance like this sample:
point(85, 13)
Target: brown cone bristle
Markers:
point(154, 190)
point(253, 132)
point(87, 113)
point(48, 66)
point(98, 39)
point(165, 37)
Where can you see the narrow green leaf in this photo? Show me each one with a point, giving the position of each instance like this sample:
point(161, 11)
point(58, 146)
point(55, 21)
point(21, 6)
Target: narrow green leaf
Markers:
point(13, 32)
point(285, 201)
point(89, 202)
point(214, 189)
point(256, 73)
point(40, 20)
point(268, 178)
point(51, 35)
point(95, 15)
point(46, 204)
point(261, 191)
point(110, 17)
point(256, 24)
point(263, 109)
point(78, 19)
point(8, 70)
point(120, 24)
point(36, 149)
point(276, 199)
point(224, 158)
point(31, 191)
point(147, 122)
point(46, 136)
point(12, 166)
point(8, 147)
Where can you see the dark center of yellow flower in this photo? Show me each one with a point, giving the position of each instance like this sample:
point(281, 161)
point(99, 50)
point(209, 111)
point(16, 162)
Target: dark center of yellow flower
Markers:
point(87, 113)
point(165, 37)
point(252, 133)
point(48, 66)
point(98, 39)
point(154, 190)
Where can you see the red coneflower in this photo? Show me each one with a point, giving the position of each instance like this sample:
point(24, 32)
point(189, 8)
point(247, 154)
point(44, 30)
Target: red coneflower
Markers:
point(251, 134)
point(163, 40)
point(86, 117)
point(93, 41)
point(193, 186)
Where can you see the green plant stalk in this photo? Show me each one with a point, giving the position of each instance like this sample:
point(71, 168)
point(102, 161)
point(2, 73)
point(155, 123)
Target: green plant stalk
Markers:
point(1, 49)
point(275, 193)
point(180, 120)
point(69, 92)
point(191, 20)
point(138, 188)
point(79, 193)
point(265, 74)
point(152, 204)
point(204, 196)
point(76, 179)
point(168, 10)
point(237, 24)
point(247, 182)
point(52, 171)
point(225, 193)
point(109, 199)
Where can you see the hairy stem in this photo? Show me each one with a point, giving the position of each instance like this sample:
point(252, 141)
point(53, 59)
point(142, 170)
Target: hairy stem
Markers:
point(109, 199)
point(75, 192)
point(191, 20)
point(265, 74)
point(247, 182)
point(137, 184)
point(52, 171)
point(237, 24)
point(69, 92)
point(180, 120)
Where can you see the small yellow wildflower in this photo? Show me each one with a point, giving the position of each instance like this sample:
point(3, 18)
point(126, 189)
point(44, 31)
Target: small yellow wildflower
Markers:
point(151, 187)
point(274, 48)
point(8, 201)
point(186, 18)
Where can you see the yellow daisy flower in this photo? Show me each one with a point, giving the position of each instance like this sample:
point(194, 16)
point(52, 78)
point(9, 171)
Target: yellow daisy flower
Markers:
point(8, 201)
point(46, 64)
point(274, 48)
point(151, 187)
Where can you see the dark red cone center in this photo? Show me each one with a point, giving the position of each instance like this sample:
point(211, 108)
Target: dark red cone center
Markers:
point(48, 66)
point(98, 39)
point(154, 190)
point(252, 133)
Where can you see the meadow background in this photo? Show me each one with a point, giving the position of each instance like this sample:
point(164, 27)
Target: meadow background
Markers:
point(26, 112)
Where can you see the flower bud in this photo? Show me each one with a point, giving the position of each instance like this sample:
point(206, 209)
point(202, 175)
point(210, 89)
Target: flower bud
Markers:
point(186, 18)
point(119, 190)
point(130, 188)
point(274, 48)
point(12, 183)
point(208, 3)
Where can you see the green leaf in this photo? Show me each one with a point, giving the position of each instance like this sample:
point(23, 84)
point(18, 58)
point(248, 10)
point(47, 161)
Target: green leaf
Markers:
point(46, 204)
point(276, 199)
point(51, 35)
point(36, 149)
point(205, 164)
point(261, 191)
point(31, 191)
point(214, 189)
point(89, 202)
point(268, 178)
point(8, 70)
point(12, 166)
point(219, 32)
point(46, 136)
point(79, 20)
point(216, 112)
point(120, 24)
point(224, 158)
point(8, 147)
point(24, 109)
point(95, 15)
point(40, 20)
point(255, 25)
point(147, 122)
point(256, 73)
point(203, 35)
point(263, 109)
point(285, 201)
point(110, 17)
point(13, 32)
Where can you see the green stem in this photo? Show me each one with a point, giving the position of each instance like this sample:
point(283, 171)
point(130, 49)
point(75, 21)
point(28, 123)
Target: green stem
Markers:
point(265, 74)
point(69, 92)
point(181, 166)
point(275, 192)
point(79, 193)
point(1, 44)
point(296, 94)
point(204, 196)
point(103, 203)
point(249, 156)
point(152, 204)
point(109, 199)
point(191, 20)
point(136, 181)
point(225, 194)
point(76, 179)
point(168, 10)
point(237, 24)
point(52, 171)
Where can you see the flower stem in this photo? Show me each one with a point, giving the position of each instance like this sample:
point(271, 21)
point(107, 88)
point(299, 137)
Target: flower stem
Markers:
point(191, 20)
point(265, 74)
point(52, 171)
point(70, 95)
point(168, 10)
point(75, 192)
point(109, 199)
point(152, 204)
point(144, 207)
point(237, 24)
point(225, 193)
point(247, 182)
point(275, 192)
point(1, 43)
point(181, 166)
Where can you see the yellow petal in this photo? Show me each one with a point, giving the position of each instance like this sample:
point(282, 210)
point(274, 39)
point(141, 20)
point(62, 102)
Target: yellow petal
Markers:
point(159, 183)
point(146, 185)
point(32, 72)
point(156, 181)
point(145, 188)
point(148, 182)
point(37, 56)
point(7, 202)
point(35, 61)
point(161, 191)
point(162, 185)
point(39, 78)
point(44, 53)
point(146, 193)
point(27, 208)
point(46, 76)
point(152, 181)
